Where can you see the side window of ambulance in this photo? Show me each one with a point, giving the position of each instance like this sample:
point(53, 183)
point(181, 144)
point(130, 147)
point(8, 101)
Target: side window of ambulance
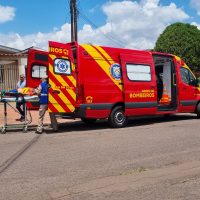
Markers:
point(137, 72)
point(62, 66)
point(187, 76)
point(38, 71)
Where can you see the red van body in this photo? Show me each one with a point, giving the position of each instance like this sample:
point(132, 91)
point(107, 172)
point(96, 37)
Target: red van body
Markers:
point(95, 82)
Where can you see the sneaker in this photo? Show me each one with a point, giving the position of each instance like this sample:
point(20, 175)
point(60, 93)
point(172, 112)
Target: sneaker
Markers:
point(38, 132)
point(20, 119)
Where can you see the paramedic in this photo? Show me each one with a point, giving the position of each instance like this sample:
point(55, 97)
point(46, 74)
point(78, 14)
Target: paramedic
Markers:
point(21, 84)
point(42, 91)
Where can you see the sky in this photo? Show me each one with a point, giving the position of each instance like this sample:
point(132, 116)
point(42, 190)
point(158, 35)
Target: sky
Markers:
point(118, 23)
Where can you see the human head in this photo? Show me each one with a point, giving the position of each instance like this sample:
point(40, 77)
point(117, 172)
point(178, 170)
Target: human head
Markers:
point(22, 77)
point(44, 78)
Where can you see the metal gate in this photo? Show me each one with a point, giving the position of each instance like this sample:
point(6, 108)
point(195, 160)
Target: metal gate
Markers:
point(9, 75)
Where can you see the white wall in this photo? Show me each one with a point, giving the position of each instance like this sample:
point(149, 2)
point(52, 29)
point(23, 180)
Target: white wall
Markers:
point(22, 62)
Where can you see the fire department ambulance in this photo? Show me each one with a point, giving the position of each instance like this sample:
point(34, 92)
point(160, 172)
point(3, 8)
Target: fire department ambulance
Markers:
point(95, 82)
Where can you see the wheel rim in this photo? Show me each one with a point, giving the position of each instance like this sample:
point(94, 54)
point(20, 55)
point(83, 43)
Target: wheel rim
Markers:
point(119, 118)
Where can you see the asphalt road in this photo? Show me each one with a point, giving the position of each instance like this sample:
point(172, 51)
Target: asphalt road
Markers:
point(152, 159)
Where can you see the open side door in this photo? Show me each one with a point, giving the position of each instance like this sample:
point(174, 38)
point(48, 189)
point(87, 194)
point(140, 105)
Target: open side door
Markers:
point(140, 92)
point(62, 79)
point(37, 67)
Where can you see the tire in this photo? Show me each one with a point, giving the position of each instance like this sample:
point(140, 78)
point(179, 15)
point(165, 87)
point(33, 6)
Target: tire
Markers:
point(198, 111)
point(167, 116)
point(117, 118)
point(88, 121)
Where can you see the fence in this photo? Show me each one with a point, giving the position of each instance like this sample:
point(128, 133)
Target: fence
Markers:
point(9, 75)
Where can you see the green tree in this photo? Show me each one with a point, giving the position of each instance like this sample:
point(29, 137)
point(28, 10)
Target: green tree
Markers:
point(182, 40)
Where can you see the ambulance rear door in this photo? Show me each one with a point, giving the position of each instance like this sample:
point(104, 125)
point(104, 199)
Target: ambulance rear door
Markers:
point(62, 78)
point(140, 92)
point(37, 67)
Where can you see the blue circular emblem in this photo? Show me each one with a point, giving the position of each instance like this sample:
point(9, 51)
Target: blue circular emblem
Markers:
point(62, 66)
point(115, 70)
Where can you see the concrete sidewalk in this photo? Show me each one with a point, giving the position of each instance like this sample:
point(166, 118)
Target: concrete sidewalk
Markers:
point(12, 115)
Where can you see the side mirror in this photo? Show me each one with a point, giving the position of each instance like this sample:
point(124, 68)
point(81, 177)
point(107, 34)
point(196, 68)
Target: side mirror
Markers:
point(194, 82)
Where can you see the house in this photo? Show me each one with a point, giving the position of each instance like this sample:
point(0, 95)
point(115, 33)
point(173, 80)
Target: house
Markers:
point(12, 63)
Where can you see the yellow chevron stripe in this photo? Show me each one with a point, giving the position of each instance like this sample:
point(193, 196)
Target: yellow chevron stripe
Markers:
point(71, 78)
point(56, 105)
point(52, 56)
point(111, 61)
point(102, 62)
point(71, 92)
point(63, 97)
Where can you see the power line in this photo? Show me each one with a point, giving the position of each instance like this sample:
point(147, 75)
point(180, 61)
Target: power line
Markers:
point(108, 36)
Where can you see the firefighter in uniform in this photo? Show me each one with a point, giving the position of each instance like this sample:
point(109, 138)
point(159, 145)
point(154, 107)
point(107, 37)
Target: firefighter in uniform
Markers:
point(42, 91)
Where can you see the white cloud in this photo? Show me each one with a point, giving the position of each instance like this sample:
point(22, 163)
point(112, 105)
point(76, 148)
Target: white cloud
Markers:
point(6, 13)
point(196, 4)
point(129, 23)
point(39, 39)
point(139, 24)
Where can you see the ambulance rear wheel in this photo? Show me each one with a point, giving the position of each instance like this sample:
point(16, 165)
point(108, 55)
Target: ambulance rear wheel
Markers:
point(198, 111)
point(88, 121)
point(117, 118)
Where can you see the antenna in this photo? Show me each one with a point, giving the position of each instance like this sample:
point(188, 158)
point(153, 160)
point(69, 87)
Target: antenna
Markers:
point(73, 12)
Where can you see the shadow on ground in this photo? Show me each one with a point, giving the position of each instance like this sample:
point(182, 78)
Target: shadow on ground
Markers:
point(78, 125)
point(132, 122)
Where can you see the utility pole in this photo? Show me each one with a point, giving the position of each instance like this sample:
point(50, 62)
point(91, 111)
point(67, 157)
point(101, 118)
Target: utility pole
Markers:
point(73, 12)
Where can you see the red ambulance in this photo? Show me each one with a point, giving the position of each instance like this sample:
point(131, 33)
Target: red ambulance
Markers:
point(95, 82)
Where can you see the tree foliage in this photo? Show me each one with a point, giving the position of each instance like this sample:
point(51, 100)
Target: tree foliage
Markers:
point(182, 40)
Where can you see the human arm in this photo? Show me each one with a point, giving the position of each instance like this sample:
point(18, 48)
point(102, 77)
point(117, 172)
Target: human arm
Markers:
point(38, 90)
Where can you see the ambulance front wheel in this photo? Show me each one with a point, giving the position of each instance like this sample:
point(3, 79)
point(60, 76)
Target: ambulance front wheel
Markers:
point(117, 118)
point(198, 111)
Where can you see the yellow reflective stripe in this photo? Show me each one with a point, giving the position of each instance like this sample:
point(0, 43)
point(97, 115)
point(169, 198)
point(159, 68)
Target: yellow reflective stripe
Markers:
point(56, 105)
point(52, 56)
point(101, 62)
point(71, 92)
point(64, 99)
point(111, 61)
point(71, 78)
point(49, 110)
